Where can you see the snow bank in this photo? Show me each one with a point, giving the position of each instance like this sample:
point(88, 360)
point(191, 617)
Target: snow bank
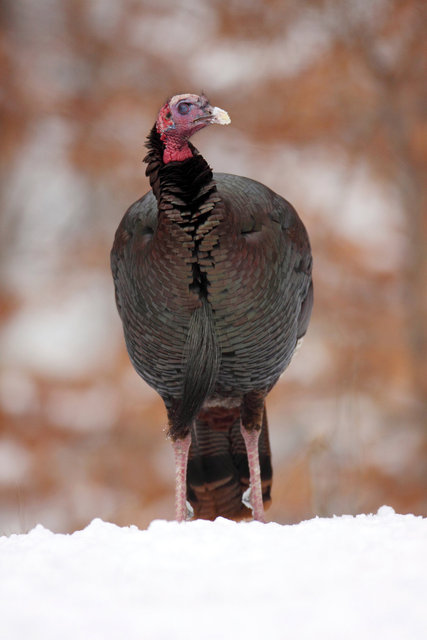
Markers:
point(349, 577)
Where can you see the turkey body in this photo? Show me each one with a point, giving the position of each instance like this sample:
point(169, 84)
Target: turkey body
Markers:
point(212, 275)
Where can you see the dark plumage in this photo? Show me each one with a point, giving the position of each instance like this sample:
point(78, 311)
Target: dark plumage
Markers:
point(212, 274)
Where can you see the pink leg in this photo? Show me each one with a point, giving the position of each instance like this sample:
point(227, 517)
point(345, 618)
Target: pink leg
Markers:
point(251, 441)
point(181, 447)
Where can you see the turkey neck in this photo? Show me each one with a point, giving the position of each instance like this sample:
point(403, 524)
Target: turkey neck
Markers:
point(187, 201)
point(186, 184)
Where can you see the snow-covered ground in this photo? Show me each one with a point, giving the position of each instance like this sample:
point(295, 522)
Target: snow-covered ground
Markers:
point(340, 578)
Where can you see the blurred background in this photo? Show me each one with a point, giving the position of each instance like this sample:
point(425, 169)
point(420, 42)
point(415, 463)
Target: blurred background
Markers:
point(328, 105)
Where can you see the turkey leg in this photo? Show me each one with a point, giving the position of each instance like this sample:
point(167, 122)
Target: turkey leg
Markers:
point(181, 447)
point(252, 412)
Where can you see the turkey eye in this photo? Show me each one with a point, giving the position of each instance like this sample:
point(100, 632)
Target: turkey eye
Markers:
point(184, 108)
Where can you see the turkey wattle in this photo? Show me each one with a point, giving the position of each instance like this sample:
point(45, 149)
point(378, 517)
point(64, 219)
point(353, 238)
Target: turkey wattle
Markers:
point(212, 276)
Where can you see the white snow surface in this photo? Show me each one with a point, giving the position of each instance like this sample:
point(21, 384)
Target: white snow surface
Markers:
point(360, 577)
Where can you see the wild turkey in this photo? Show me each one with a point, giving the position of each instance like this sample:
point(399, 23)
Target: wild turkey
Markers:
point(212, 277)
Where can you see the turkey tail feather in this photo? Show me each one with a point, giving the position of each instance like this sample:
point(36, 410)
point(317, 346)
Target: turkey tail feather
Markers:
point(217, 473)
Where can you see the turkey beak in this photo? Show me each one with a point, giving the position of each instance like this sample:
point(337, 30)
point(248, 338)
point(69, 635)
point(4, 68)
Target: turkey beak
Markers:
point(214, 115)
point(219, 116)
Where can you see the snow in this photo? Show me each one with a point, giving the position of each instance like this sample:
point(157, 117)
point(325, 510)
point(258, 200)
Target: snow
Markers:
point(347, 577)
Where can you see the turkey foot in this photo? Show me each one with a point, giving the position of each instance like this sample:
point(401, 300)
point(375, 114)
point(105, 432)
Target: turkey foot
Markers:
point(251, 442)
point(181, 447)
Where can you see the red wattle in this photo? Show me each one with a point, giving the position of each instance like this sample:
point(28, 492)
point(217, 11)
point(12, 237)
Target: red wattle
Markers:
point(174, 153)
